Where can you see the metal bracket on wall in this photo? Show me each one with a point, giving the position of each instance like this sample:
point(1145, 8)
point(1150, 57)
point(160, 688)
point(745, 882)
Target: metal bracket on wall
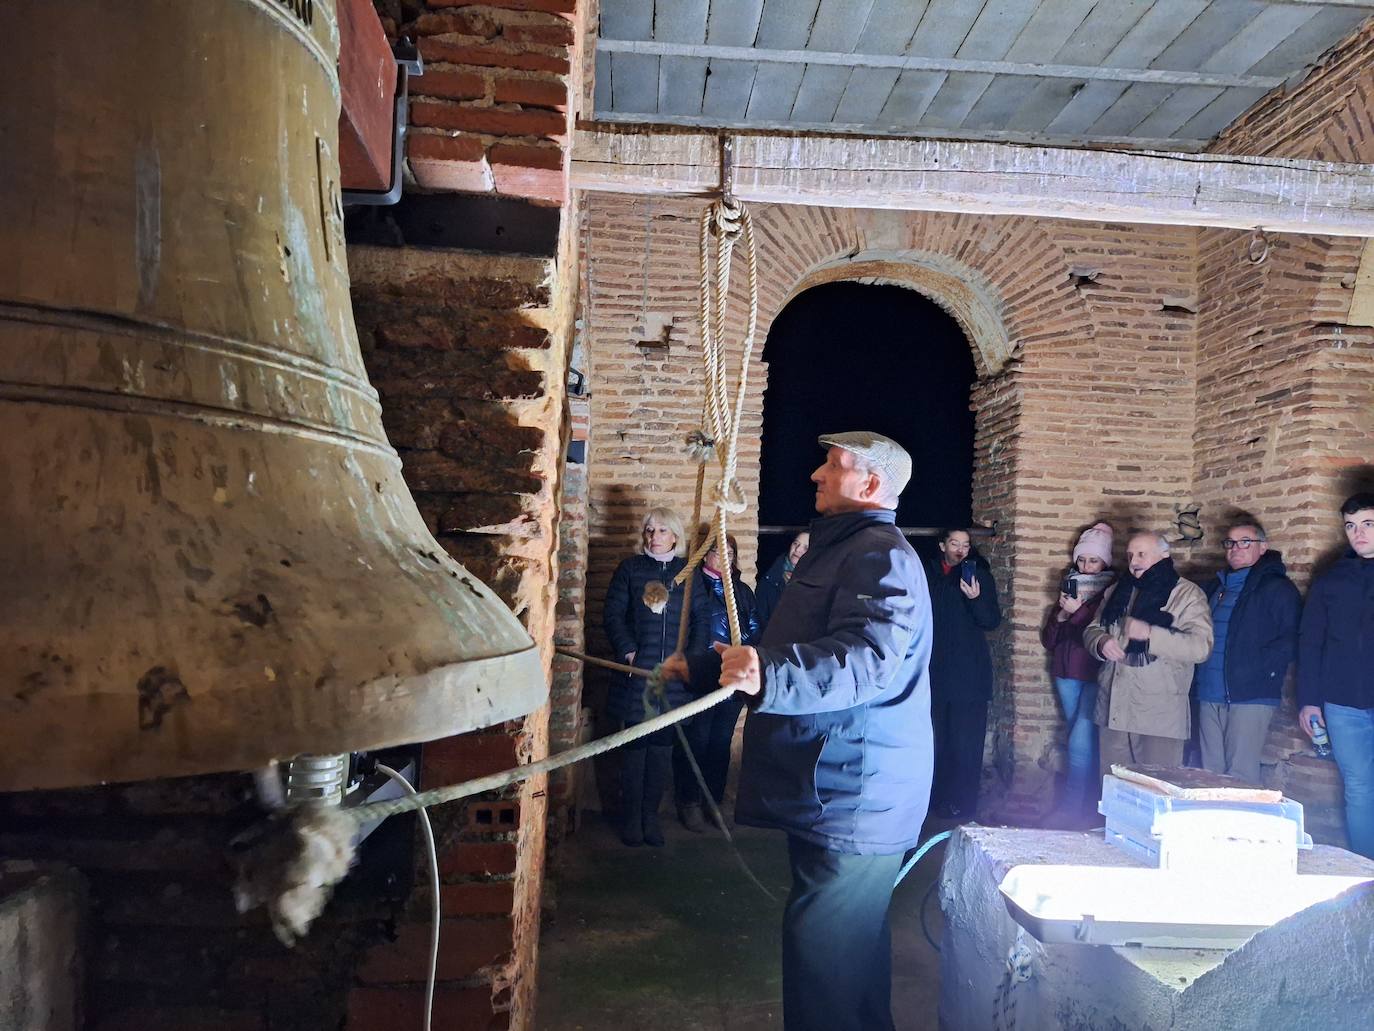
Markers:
point(408, 63)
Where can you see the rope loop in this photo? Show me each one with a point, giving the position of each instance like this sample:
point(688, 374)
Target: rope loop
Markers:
point(729, 496)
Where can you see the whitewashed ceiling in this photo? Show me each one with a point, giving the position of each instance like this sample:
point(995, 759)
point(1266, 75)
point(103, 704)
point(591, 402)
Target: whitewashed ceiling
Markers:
point(1162, 74)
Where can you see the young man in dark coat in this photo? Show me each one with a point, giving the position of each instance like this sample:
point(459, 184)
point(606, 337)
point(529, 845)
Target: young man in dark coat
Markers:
point(837, 749)
point(1255, 609)
point(963, 604)
point(1336, 667)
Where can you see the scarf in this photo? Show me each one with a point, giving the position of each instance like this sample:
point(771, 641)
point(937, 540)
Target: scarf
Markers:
point(1151, 591)
point(665, 556)
point(1090, 585)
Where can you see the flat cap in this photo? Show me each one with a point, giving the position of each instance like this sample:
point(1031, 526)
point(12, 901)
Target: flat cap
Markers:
point(883, 453)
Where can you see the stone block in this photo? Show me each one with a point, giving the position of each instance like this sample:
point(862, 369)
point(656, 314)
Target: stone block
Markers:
point(42, 911)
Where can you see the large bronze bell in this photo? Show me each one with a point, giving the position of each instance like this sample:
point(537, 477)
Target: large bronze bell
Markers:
point(210, 559)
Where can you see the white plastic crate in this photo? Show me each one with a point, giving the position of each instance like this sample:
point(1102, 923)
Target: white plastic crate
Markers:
point(1213, 841)
point(1129, 805)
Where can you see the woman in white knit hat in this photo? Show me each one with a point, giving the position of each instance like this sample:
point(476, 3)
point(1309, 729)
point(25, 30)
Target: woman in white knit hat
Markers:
point(1075, 670)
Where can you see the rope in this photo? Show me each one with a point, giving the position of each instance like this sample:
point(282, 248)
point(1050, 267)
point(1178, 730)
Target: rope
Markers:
point(728, 222)
point(496, 781)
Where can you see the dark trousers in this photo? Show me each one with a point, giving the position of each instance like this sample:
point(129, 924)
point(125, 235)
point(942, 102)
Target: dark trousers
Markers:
point(709, 734)
point(960, 727)
point(836, 947)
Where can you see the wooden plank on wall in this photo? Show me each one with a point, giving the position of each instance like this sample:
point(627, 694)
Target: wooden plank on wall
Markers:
point(990, 178)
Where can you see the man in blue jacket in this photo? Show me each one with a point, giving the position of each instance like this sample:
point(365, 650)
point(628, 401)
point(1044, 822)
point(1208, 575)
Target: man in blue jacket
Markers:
point(837, 743)
point(1336, 667)
point(1255, 610)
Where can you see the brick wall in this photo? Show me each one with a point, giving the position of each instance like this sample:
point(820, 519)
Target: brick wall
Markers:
point(490, 114)
point(1084, 411)
point(468, 352)
point(1285, 421)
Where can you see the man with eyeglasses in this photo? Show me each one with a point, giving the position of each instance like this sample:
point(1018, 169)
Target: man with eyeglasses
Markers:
point(1255, 609)
point(1336, 667)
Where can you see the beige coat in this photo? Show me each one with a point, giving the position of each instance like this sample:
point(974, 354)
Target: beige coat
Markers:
point(1153, 699)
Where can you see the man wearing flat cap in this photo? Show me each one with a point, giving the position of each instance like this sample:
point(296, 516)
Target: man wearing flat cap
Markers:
point(837, 743)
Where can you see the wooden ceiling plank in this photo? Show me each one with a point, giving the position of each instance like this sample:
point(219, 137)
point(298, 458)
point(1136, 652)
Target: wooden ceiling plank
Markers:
point(865, 94)
point(786, 24)
point(1221, 22)
point(1311, 41)
point(891, 26)
point(1308, 197)
point(1157, 28)
point(1220, 113)
point(944, 26)
point(680, 21)
point(774, 92)
point(1245, 49)
point(727, 90)
point(910, 97)
point(1258, 39)
point(818, 96)
point(734, 23)
point(626, 19)
point(1176, 111)
point(634, 83)
point(997, 27)
point(730, 83)
point(681, 85)
point(997, 107)
point(1105, 28)
point(1049, 29)
point(839, 25)
point(1131, 108)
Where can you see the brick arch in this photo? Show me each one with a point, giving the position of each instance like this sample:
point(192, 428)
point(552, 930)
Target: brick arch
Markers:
point(996, 276)
point(1010, 286)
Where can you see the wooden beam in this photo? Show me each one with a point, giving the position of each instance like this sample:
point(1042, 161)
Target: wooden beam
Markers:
point(1313, 197)
point(909, 62)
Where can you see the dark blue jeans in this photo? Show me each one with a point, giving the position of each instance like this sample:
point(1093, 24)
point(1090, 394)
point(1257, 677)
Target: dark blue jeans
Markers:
point(1352, 742)
point(836, 947)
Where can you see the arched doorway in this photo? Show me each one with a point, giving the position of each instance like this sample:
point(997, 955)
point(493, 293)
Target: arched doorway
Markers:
point(848, 355)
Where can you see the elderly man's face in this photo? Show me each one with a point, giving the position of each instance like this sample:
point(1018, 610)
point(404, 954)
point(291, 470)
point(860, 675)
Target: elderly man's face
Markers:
point(840, 487)
point(1143, 552)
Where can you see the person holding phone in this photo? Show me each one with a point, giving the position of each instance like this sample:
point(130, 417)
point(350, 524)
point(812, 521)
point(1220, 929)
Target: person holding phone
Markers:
point(963, 602)
point(1075, 671)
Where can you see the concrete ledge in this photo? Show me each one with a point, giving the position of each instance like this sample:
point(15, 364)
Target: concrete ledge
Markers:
point(41, 911)
point(1312, 968)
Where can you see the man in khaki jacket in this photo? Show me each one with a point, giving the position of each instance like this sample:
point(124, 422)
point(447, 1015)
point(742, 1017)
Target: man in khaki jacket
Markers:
point(1152, 628)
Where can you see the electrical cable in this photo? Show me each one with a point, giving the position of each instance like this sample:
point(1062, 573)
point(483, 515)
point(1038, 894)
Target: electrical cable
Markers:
point(929, 843)
point(910, 865)
point(436, 908)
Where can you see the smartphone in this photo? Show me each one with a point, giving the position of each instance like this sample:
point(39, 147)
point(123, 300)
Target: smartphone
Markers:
point(968, 571)
point(1069, 587)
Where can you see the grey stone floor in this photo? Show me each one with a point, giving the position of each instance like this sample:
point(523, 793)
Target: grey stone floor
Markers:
point(678, 939)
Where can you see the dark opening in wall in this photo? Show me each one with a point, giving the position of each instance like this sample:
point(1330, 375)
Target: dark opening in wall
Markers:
point(847, 356)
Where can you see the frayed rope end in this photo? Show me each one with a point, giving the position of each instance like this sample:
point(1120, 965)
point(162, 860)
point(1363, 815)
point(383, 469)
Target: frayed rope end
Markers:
point(291, 863)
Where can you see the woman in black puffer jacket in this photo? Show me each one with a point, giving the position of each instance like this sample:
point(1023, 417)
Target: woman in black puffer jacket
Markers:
point(643, 607)
point(710, 733)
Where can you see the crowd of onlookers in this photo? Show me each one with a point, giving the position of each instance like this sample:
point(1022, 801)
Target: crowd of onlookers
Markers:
point(1140, 657)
